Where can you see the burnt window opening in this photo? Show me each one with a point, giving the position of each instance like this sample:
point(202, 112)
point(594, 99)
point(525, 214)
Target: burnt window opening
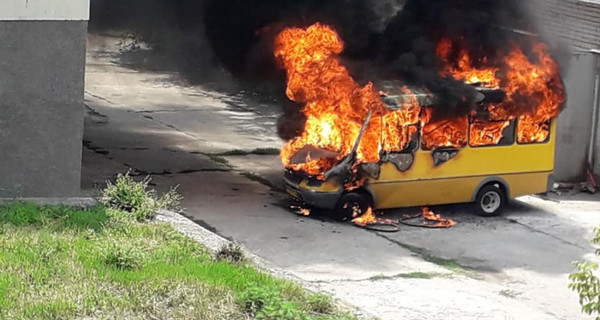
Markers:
point(532, 132)
point(400, 139)
point(491, 133)
point(445, 134)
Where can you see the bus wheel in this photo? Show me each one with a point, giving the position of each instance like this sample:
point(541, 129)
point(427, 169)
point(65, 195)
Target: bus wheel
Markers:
point(351, 205)
point(490, 201)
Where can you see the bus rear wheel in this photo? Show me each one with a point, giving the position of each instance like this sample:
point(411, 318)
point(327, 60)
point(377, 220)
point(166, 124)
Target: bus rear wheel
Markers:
point(351, 205)
point(490, 200)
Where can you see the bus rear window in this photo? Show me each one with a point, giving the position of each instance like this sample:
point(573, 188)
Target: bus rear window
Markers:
point(445, 133)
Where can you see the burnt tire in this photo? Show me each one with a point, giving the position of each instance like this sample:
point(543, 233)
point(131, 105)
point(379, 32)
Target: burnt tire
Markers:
point(350, 204)
point(490, 201)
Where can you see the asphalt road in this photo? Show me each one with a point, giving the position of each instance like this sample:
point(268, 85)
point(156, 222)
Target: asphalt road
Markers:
point(509, 267)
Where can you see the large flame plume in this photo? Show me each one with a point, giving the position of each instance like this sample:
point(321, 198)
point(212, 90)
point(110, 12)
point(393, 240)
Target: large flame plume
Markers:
point(335, 105)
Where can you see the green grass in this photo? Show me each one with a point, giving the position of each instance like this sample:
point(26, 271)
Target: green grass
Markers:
point(98, 263)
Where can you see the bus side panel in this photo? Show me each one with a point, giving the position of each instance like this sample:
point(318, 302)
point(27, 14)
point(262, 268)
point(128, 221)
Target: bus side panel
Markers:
point(451, 190)
point(423, 192)
point(527, 183)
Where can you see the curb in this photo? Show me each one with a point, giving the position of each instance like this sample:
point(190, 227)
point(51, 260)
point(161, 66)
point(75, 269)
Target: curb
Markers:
point(214, 242)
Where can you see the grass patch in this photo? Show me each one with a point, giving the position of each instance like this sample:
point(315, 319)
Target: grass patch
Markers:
point(219, 159)
point(449, 264)
point(261, 180)
point(417, 275)
point(410, 275)
point(103, 263)
point(257, 151)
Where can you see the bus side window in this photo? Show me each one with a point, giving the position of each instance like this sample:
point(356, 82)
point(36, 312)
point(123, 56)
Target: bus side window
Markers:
point(491, 133)
point(445, 133)
point(529, 131)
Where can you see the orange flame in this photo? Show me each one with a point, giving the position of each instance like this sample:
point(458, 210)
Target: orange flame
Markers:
point(368, 217)
point(486, 133)
point(441, 222)
point(533, 88)
point(335, 105)
point(463, 69)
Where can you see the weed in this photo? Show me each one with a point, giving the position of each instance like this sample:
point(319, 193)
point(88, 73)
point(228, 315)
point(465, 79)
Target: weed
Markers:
point(320, 304)
point(231, 252)
point(259, 179)
point(411, 275)
point(219, 159)
point(508, 293)
point(136, 198)
point(257, 151)
point(123, 258)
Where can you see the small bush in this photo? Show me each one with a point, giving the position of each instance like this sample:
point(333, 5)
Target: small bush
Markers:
point(587, 284)
point(231, 252)
point(127, 195)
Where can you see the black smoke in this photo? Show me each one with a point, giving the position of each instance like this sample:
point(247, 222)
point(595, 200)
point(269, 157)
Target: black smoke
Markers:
point(485, 28)
point(384, 39)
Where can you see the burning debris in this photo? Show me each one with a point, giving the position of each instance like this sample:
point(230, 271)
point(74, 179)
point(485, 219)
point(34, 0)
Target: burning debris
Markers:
point(427, 218)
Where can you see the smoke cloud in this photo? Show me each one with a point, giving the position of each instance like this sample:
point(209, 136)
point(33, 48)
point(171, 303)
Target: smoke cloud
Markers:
point(384, 39)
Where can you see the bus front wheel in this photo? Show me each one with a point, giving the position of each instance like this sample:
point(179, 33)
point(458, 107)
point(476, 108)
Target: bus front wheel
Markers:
point(490, 200)
point(351, 205)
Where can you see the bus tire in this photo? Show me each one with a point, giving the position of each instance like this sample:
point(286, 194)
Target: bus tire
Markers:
point(350, 203)
point(490, 200)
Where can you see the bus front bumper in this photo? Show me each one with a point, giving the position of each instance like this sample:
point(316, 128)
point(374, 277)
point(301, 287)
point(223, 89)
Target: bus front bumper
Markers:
point(313, 198)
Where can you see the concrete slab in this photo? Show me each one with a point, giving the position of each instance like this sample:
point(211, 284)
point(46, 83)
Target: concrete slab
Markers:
point(96, 170)
point(224, 130)
point(268, 167)
point(161, 161)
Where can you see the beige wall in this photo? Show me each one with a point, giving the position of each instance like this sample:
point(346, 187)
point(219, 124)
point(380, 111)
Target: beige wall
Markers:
point(44, 9)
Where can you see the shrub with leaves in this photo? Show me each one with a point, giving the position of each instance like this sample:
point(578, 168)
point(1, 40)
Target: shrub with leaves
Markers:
point(137, 198)
point(587, 284)
point(266, 303)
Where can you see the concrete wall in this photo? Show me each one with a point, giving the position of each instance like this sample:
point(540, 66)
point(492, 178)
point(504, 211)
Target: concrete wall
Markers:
point(574, 124)
point(42, 61)
point(576, 24)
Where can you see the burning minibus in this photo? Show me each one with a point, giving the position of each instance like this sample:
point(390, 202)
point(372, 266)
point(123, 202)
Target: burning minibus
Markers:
point(486, 168)
point(386, 145)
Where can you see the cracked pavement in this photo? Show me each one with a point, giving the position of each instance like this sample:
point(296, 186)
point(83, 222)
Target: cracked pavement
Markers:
point(218, 147)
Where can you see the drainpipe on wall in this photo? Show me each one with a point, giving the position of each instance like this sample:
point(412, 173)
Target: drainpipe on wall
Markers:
point(591, 160)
